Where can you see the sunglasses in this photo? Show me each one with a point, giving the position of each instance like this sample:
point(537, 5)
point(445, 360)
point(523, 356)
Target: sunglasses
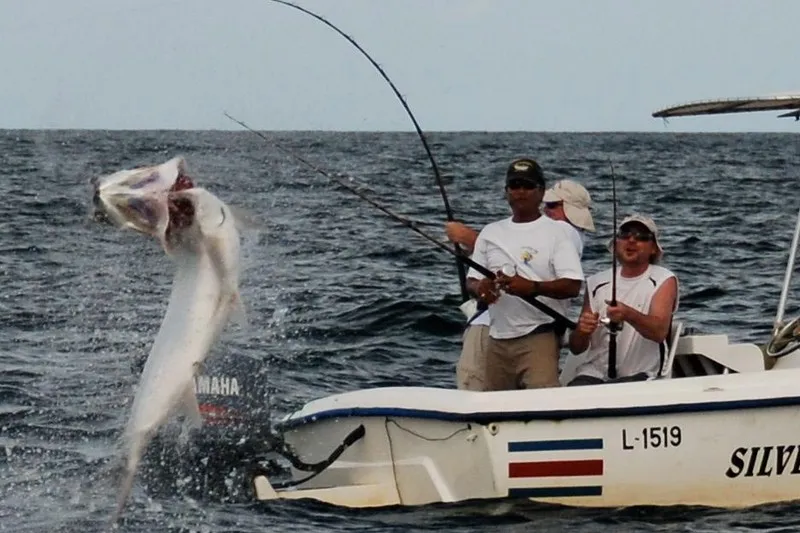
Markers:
point(552, 205)
point(521, 183)
point(639, 236)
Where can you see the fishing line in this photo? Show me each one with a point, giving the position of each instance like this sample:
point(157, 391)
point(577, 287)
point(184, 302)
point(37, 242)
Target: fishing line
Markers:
point(462, 275)
point(344, 184)
point(406, 222)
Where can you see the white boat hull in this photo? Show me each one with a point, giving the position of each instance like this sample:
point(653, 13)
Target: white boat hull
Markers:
point(721, 441)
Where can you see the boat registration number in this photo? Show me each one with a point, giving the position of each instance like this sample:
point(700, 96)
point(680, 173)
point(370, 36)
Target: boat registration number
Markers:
point(652, 438)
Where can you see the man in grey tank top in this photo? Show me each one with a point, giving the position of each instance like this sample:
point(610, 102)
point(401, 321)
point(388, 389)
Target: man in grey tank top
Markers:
point(647, 298)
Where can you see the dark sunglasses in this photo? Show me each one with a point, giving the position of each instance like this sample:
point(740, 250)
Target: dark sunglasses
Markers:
point(639, 236)
point(552, 205)
point(521, 183)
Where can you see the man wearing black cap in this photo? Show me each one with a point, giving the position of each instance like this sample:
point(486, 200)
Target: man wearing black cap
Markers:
point(532, 256)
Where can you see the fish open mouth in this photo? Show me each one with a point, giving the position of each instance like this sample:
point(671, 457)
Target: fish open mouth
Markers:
point(148, 200)
point(181, 212)
point(180, 208)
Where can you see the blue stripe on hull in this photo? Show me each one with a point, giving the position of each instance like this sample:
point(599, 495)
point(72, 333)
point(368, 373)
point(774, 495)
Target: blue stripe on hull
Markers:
point(553, 414)
point(554, 445)
point(556, 492)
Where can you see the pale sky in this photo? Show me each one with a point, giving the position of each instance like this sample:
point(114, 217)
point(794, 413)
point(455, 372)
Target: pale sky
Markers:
point(477, 65)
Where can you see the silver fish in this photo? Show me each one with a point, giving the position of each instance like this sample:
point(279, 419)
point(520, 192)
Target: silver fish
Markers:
point(199, 232)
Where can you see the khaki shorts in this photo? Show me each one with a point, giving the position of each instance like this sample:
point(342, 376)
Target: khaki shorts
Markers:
point(528, 362)
point(471, 366)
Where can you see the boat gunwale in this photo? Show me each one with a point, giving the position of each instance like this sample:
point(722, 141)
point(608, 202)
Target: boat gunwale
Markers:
point(483, 418)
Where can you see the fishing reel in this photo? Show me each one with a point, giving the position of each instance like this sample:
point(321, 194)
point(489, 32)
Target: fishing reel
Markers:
point(784, 340)
point(509, 270)
point(609, 325)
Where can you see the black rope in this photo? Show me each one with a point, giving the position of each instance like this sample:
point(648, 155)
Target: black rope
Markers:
point(468, 427)
point(316, 468)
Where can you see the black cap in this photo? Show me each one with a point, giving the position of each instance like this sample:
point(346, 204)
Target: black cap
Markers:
point(526, 169)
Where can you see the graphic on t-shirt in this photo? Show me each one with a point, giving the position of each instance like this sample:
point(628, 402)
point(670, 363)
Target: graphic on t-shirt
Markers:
point(527, 255)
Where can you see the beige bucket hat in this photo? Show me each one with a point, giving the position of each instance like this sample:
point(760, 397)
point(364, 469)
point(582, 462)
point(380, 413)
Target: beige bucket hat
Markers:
point(576, 200)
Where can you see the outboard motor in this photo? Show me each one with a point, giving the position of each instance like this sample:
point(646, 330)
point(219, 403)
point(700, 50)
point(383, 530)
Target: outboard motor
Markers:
point(216, 462)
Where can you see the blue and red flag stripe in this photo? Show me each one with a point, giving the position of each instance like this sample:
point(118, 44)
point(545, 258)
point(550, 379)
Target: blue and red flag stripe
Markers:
point(536, 471)
point(581, 467)
point(555, 445)
point(555, 492)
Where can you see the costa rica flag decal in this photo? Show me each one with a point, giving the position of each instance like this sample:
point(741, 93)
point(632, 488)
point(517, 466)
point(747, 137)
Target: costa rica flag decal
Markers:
point(555, 468)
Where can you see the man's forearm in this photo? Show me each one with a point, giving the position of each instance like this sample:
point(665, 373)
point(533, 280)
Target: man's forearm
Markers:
point(472, 286)
point(578, 343)
point(651, 327)
point(558, 289)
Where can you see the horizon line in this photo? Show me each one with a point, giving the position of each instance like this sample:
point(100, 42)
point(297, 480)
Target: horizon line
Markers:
point(409, 131)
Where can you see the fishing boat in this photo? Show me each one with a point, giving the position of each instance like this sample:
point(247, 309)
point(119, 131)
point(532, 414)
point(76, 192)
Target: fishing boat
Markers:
point(716, 428)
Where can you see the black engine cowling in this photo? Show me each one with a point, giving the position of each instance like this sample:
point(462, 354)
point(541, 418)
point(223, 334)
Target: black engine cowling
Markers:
point(217, 461)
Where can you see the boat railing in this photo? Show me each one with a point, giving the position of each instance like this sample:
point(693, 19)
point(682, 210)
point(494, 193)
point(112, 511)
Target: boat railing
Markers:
point(672, 347)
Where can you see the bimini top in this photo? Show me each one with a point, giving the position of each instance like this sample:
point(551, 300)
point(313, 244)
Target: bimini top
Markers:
point(735, 105)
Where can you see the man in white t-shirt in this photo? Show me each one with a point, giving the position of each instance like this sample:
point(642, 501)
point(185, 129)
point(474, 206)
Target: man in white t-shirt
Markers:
point(647, 298)
point(532, 256)
point(569, 201)
point(565, 196)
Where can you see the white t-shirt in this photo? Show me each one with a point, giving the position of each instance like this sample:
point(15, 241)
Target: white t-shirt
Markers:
point(634, 353)
point(484, 319)
point(578, 239)
point(541, 250)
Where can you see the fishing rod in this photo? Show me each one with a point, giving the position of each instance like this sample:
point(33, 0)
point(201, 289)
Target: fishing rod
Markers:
point(462, 275)
point(403, 220)
point(464, 260)
point(613, 327)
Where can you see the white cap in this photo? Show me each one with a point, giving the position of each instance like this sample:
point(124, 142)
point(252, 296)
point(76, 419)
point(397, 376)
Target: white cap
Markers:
point(577, 202)
point(648, 223)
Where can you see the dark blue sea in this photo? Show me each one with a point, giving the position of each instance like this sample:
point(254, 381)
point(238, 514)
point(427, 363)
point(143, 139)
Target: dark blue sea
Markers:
point(339, 296)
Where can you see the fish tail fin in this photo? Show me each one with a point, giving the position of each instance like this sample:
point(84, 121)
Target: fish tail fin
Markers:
point(122, 497)
point(126, 486)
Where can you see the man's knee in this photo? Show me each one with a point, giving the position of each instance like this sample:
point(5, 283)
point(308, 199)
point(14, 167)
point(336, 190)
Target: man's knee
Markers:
point(500, 365)
point(470, 380)
point(471, 366)
point(540, 368)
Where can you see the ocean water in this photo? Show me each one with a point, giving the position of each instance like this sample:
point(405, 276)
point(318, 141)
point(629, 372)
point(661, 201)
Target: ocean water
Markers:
point(339, 296)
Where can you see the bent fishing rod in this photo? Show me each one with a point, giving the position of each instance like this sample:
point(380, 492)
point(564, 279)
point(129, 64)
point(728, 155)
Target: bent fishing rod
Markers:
point(462, 275)
point(464, 260)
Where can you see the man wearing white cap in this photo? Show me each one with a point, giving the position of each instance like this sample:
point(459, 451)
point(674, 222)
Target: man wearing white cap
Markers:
point(647, 297)
point(570, 202)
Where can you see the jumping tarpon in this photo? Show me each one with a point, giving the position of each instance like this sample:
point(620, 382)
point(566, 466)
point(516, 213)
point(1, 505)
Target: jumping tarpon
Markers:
point(198, 231)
